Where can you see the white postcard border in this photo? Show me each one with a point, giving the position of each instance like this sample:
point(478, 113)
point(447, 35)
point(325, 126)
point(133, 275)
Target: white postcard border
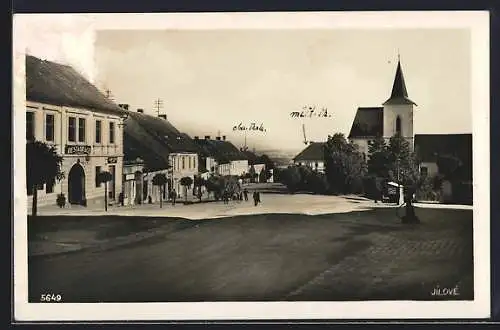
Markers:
point(477, 22)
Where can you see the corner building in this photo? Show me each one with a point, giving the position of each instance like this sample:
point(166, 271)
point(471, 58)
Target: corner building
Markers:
point(65, 110)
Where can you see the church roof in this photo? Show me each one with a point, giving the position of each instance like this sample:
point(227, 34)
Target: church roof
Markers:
point(399, 94)
point(369, 122)
point(58, 84)
point(314, 151)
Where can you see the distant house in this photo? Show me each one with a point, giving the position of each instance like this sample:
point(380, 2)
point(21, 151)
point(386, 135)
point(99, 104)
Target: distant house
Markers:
point(312, 156)
point(164, 149)
point(221, 156)
point(65, 110)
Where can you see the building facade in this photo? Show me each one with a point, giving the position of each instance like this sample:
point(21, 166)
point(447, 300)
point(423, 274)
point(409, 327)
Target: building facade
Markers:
point(83, 126)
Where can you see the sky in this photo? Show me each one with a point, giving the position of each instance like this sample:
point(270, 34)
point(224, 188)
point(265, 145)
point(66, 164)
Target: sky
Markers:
point(213, 80)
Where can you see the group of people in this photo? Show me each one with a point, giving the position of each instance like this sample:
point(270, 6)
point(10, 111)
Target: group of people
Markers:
point(240, 196)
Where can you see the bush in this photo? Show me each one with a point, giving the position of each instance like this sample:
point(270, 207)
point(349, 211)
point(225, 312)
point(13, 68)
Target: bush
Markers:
point(356, 185)
point(426, 190)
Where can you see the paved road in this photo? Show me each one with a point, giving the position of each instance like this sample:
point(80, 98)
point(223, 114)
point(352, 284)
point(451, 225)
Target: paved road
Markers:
point(360, 255)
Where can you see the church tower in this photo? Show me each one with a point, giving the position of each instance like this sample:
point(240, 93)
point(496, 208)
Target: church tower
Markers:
point(398, 110)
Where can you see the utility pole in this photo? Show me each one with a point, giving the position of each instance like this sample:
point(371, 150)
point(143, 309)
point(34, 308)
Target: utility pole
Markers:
point(158, 104)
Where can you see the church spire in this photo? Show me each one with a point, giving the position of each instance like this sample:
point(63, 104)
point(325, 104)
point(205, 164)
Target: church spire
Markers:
point(399, 94)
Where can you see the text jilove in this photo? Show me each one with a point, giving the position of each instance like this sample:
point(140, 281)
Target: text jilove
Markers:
point(454, 291)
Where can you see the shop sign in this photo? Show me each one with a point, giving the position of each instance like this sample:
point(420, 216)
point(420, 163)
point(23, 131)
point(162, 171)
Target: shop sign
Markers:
point(77, 150)
point(112, 160)
point(130, 176)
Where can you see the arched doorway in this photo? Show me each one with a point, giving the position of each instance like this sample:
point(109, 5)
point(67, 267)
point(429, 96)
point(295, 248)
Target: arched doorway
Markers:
point(76, 185)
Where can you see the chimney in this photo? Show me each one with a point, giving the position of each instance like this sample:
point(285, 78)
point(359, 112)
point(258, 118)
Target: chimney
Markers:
point(140, 110)
point(223, 138)
point(218, 138)
point(124, 106)
point(207, 137)
point(163, 117)
point(196, 138)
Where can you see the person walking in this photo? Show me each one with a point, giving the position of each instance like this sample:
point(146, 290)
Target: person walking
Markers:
point(245, 194)
point(258, 197)
point(255, 198)
point(174, 196)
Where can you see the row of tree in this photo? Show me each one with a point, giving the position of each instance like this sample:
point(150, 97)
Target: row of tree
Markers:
point(347, 170)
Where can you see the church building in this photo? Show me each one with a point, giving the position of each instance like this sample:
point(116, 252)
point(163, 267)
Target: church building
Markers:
point(394, 116)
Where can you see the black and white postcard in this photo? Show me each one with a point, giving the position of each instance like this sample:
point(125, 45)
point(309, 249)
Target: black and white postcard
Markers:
point(251, 166)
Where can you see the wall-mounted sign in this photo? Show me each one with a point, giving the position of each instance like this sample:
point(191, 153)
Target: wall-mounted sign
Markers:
point(112, 160)
point(130, 177)
point(78, 150)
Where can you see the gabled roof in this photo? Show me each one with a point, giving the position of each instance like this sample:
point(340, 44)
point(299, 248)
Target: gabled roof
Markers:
point(57, 84)
point(153, 139)
point(222, 151)
point(163, 131)
point(428, 146)
point(314, 151)
point(368, 122)
point(399, 93)
point(252, 157)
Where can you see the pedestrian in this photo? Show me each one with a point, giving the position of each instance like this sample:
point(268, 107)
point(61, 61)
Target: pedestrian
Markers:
point(245, 194)
point(258, 197)
point(174, 196)
point(255, 198)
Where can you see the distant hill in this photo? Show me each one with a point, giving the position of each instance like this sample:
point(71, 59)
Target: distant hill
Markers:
point(280, 157)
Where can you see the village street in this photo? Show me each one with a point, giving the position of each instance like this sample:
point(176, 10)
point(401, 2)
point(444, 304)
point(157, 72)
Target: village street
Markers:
point(291, 247)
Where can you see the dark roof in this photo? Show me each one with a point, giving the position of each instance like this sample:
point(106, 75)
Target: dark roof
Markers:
point(252, 157)
point(314, 151)
point(428, 146)
point(399, 93)
point(57, 84)
point(153, 139)
point(368, 122)
point(164, 132)
point(222, 151)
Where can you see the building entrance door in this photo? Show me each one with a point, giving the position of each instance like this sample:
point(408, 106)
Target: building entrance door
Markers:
point(76, 185)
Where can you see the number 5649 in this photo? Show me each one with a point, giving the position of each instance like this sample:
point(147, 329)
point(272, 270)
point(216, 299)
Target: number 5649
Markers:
point(50, 297)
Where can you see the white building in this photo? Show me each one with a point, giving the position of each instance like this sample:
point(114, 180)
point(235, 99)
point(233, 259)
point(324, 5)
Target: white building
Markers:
point(164, 150)
point(312, 156)
point(63, 109)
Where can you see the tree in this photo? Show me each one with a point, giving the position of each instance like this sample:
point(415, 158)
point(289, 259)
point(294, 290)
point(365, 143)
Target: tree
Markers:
point(343, 162)
point(291, 178)
point(378, 163)
point(105, 177)
point(186, 182)
point(449, 166)
point(252, 173)
point(43, 166)
point(160, 180)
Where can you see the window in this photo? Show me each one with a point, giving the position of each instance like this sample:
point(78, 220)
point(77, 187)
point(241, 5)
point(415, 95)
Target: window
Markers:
point(398, 125)
point(98, 126)
point(49, 127)
point(97, 171)
point(423, 171)
point(183, 162)
point(111, 133)
point(189, 162)
point(49, 187)
point(30, 126)
point(71, 129)
point(81, 129)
